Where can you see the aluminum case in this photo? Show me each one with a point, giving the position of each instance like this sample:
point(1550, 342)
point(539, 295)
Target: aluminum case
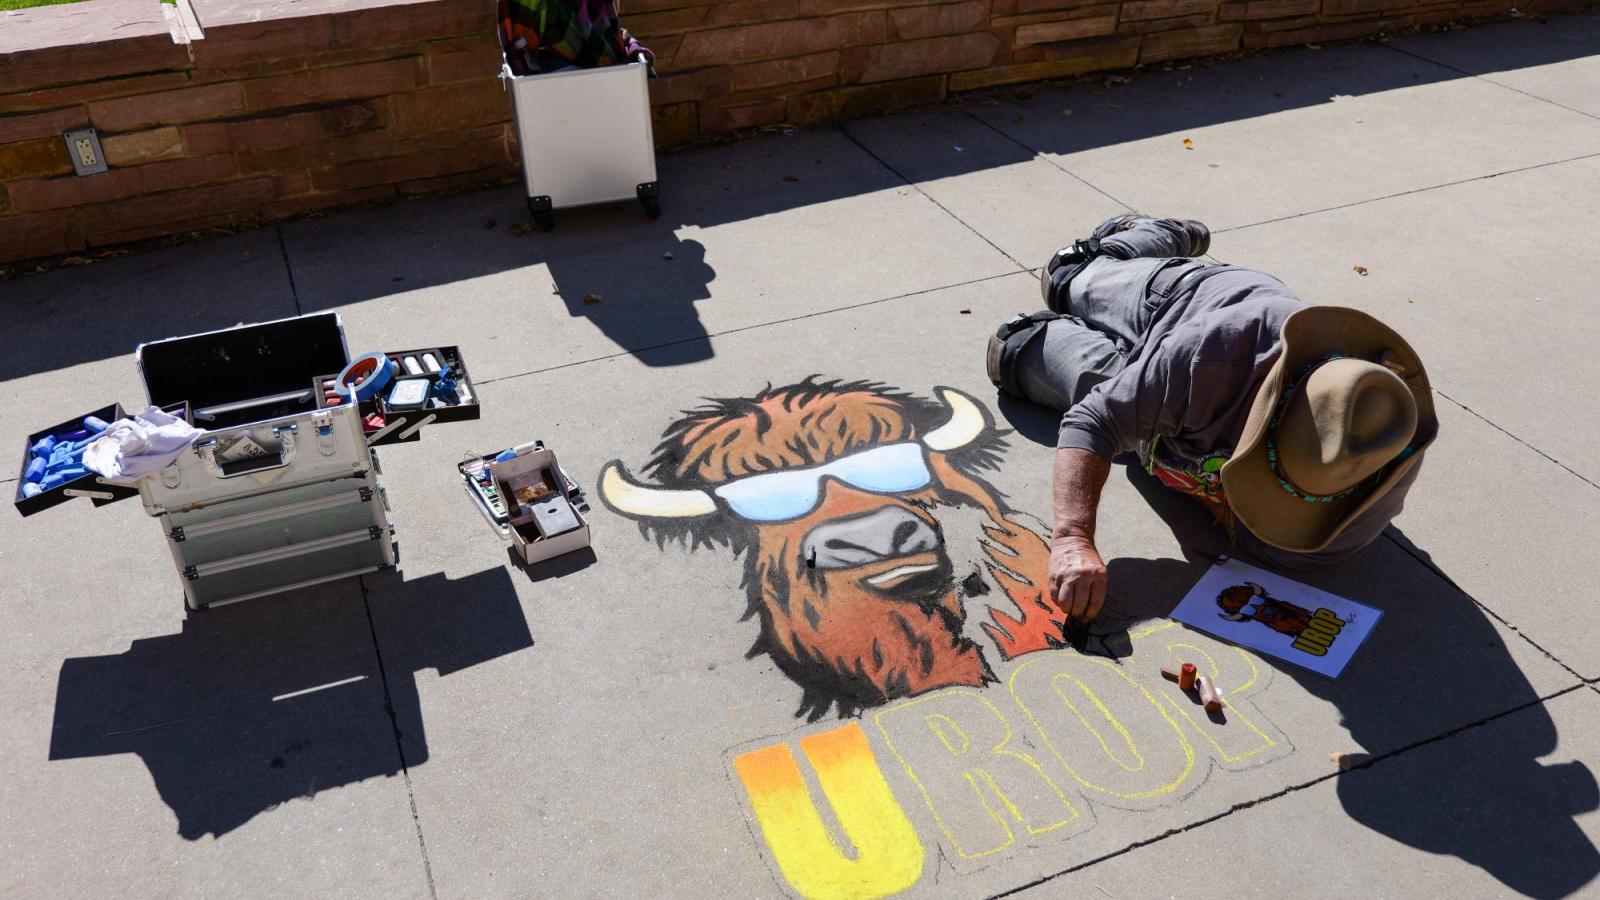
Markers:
point(276, 493)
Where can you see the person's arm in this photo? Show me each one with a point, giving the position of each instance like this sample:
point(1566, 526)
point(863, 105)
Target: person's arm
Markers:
point(1077, 573)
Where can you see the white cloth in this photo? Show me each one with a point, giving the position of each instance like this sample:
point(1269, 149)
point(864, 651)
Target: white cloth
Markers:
point(131, 449)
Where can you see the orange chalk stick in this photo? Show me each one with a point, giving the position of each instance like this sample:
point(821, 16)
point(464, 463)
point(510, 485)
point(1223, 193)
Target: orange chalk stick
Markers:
point(1169, 673)
point(1186, 676)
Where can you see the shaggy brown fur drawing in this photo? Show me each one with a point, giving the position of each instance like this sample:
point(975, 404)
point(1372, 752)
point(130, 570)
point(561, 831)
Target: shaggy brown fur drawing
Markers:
point(855, 595)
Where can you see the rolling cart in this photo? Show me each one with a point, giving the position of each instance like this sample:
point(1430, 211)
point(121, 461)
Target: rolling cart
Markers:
point(585, 137)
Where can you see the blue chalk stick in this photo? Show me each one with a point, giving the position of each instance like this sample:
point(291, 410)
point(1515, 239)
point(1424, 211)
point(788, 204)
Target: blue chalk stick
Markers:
point(43, 445)
point(36, 467)
point(95, 424)
point(62, 476)
point(77, 434)
point(31, 490)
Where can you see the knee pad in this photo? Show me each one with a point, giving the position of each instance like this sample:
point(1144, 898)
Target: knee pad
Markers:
point(1056, 277)
point(1006, 345)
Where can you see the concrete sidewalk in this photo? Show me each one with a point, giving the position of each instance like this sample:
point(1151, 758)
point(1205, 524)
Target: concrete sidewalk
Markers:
point(595, 727)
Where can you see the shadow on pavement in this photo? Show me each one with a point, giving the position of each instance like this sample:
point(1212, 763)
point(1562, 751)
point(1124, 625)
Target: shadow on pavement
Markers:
point(256, 704)
point(610, 251)
point(1435, 664)
point(75, 315)
point(1029, 420)
point(632, 312)
point(556, 567)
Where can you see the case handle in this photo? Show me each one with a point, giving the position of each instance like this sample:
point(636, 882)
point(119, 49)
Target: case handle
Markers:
point(285, 456)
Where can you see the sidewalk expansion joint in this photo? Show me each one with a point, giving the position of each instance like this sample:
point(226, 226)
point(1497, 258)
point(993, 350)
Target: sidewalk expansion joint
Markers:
point(1428, 564)
point(918, 188)
point(288, 268)
point(1047, 160)
point(1519, 440)
point(1499, 84)
point(1421, 190)
point(1292, 789)
point(634, 351)
point(399, 745)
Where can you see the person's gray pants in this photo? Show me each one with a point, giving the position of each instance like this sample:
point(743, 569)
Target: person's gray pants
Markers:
point(1110, 305)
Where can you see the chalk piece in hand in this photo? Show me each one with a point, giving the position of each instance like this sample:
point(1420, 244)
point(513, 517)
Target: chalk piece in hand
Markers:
point(1208, 694)
point(1186, 676)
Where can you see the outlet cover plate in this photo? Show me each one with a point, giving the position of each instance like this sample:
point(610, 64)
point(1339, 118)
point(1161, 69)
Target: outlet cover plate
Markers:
point(84, 148)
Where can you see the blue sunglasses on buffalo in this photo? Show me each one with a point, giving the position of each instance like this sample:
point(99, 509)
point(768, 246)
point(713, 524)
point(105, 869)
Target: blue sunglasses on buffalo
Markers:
point(781, 496)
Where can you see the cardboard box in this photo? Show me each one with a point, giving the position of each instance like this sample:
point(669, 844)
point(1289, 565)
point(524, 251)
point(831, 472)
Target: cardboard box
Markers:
point(533, 470)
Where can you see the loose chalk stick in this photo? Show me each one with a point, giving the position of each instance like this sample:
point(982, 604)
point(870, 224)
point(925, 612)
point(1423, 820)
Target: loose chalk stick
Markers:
point(95, 424)
point(43, 446)
point(31, 490)
point(62, 476)
point(431, 362)
point(412, 366)
point(36, 467)
point(1209, 694)
point(1186, 676)
point(1169, 673)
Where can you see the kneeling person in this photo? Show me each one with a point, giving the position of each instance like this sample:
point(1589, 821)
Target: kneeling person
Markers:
point(1301, 427)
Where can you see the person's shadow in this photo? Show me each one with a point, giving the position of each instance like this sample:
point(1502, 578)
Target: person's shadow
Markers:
point(1433, 667)
point(1433, 659)
point(256, 704)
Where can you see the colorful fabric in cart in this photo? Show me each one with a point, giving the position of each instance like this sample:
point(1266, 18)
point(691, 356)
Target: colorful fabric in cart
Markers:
point(547, 35)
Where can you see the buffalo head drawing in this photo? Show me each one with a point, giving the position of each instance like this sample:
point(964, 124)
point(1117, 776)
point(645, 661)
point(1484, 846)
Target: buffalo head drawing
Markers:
point(828, 489)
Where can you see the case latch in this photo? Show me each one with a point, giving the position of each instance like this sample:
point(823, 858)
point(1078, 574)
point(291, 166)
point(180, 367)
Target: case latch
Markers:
point(323, 422)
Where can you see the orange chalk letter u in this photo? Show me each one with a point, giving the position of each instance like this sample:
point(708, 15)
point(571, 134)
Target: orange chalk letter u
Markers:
point(888, 856)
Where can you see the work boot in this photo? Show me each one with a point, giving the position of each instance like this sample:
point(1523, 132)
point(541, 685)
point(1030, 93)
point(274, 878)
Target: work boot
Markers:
point(1199, 235)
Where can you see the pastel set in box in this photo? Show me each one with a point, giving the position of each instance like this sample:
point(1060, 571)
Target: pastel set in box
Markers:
point(524, 493)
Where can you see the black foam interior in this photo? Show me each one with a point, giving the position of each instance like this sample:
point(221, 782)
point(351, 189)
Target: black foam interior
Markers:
point(243, 363)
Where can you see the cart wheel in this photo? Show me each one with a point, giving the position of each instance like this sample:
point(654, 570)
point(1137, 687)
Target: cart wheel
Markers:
point(543, 210)
point(649, 195)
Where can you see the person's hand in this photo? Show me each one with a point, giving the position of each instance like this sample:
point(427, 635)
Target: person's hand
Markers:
point(1077, 577)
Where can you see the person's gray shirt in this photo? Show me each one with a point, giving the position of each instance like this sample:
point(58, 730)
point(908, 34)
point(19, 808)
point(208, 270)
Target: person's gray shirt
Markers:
point(1189, 381)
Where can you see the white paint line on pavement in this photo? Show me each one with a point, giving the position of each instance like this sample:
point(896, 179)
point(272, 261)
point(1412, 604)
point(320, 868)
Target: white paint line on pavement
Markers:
point(321, 687)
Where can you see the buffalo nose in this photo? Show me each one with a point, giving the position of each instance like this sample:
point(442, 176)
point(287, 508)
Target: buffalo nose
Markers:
point(887, 533)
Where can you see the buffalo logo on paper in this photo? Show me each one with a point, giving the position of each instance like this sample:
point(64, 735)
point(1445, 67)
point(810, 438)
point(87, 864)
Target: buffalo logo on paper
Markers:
point(1313, 632)
point(829, 490)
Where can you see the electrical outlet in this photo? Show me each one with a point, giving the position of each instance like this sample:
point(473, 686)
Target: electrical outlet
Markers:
point(84, 148)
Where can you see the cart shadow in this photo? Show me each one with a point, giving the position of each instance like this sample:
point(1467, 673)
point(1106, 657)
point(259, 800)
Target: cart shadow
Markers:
point(261, 703)
point(646, 301)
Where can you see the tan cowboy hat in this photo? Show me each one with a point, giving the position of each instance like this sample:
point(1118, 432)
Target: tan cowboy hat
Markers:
point(1342, 416)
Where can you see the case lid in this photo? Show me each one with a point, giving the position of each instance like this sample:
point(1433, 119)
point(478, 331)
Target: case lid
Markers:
point(243, 363)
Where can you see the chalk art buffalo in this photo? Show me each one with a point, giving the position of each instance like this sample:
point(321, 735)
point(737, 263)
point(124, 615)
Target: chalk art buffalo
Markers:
point(829, 490)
